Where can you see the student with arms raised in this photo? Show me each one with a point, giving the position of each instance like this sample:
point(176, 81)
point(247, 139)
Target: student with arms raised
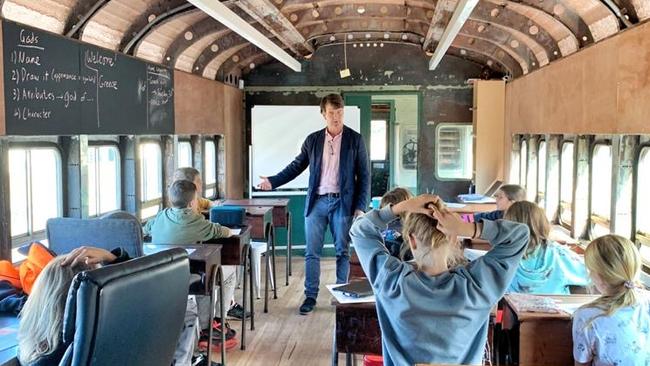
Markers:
point(429, 313)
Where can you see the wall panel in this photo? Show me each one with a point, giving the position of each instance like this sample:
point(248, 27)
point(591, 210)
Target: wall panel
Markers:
point(198, 105)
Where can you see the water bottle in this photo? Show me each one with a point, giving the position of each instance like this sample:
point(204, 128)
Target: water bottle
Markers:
point(472, 187)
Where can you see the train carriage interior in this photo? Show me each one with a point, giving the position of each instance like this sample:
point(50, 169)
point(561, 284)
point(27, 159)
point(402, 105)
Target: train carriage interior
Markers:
point(105, 105)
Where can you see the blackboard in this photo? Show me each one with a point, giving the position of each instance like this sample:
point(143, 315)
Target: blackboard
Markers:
point(57, 86)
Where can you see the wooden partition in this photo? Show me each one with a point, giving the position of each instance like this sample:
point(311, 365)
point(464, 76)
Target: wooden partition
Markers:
point(198, 105)
point(234, 136)
point(603, 89)
point(488, 119)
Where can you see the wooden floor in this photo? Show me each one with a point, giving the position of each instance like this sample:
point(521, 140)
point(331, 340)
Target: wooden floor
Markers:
point(283, 336)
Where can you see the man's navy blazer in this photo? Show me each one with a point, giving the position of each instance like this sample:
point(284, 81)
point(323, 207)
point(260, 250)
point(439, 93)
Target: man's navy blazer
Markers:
point(354, 170)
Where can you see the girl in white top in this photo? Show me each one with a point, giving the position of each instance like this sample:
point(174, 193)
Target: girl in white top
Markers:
point(615, 328)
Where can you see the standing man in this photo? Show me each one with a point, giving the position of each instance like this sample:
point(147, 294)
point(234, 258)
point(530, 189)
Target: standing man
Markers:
point(339, 189)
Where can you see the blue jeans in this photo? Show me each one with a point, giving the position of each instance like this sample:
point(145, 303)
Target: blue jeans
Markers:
point(326, 210)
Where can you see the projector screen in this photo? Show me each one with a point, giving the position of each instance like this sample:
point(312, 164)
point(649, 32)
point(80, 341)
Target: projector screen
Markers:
point(278, 132)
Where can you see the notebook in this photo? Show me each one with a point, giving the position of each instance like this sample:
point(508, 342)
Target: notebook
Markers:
point(356, 289)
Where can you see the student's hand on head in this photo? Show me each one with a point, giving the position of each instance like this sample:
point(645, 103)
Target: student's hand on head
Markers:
point(420, 204)
point(265, 184)
point(452, 225)
point(88, 256)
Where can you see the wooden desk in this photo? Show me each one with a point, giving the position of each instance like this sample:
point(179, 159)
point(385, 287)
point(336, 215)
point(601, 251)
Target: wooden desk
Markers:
point(281, 218)
point(539, 338)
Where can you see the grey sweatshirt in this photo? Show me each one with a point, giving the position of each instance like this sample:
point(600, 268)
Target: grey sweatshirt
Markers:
point(442, 318)
point(182, 226)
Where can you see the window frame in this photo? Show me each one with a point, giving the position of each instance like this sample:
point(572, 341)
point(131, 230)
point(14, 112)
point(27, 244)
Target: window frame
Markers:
point(567, 205)
point(523, 163)
point(206, 185)
point(595, 219)
point(141, 184)
point(640, 237)
point(435, 152)
point(99, 143)
point(185, 141)
point(32, 235)
point(539, 195)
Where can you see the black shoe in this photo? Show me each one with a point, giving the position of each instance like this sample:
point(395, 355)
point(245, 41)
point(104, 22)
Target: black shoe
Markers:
point(307, 306)
point(237, 312)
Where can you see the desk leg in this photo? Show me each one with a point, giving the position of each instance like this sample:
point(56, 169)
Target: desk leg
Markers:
point(222, 315)
point(289, 246)
point(244, 295)
point(217, 277)
point(267, 258)
point(274, 282)
point(349, 359)
point(335, 354)
point(250, 282)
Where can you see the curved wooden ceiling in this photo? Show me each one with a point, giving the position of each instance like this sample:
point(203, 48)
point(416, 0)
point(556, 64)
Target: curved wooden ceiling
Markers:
point(511, 36)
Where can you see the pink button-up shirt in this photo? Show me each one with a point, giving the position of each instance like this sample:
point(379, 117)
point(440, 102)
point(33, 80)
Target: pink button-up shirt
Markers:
point(329, 170)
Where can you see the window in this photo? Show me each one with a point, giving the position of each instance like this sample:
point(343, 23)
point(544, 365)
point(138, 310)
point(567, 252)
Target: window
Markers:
point(566, 183)
point(454, 151)
point(642, 206)
point(150, 179)
point(36, 189)
point(514, 166)
point(378, 139)
point(210, 169)
point(541, 174)
point(523, 161)
point(601, 189)
point(103, 179)
point(184, 154)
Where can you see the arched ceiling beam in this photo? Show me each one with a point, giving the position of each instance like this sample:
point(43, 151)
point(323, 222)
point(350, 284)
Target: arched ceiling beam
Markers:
point(510, 37)
point(491, 50)
point(277, 24)
point(245, 54)
point(128, 46)
point(568, 16)
point(49, 15)
point(601, 21)
point(505, 40)
point(636, 10)
point(344, 18)
point(204, 28)
point(523, 63)
point(210, 70)
point(556, 39)
point(465, 52)
point(117, 22)
point(79, 15)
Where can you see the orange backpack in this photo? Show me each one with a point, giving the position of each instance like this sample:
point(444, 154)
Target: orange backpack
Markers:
point(24, 275)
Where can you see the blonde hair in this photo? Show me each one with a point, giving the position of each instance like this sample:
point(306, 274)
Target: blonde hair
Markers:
point(41, 320)
point(532, 215)
point(395, 196)
point(424, 229)
point(617, 262)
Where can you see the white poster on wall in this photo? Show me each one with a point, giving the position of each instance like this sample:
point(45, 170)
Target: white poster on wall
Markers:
point(277, 133)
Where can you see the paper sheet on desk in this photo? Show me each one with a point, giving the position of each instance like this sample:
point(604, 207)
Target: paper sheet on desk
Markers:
point(454, 205)
point(235, 231)
point(344, 299)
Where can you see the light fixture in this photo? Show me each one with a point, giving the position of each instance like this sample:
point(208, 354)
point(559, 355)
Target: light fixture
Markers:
point(458, 19)
point(361, 10)
point(386, 35)
point(230, 19)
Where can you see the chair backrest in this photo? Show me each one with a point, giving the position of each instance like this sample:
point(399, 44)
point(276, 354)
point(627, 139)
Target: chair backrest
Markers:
point(130, 313)
point(231, 216)
point(65, 234)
